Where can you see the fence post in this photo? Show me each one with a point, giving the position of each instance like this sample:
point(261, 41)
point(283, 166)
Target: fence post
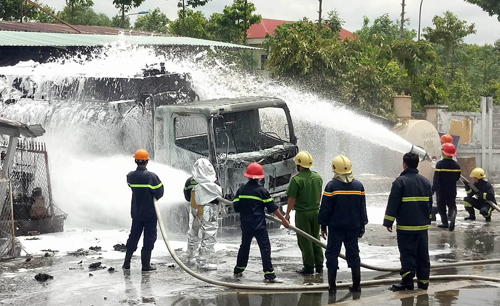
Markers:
point(483, 132)
point(489, 101)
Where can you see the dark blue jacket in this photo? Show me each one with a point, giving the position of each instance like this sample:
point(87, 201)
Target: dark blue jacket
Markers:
point(188, 188)
point(343, 207)
point(446, 175)
point(250, 201)
point(410, 202)
point(486, 191)
point(146, 186)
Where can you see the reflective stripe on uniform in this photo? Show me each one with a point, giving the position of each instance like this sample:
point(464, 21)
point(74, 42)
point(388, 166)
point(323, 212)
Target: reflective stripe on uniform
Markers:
point(145, 186)
point(412, 228)
point(190, 187)
point(489, 212)
point(448, 170)
point(469, 191)
point(467, 204)
point(485, 195)
point(241, 268)
point(423, 281)
point(272, 272)
point(415, 199)
point(343, 192)
point(405, 274)
point(390, 218)
point(252, 198)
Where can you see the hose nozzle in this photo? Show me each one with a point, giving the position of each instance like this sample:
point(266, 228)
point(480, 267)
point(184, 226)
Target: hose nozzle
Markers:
point(420, 152)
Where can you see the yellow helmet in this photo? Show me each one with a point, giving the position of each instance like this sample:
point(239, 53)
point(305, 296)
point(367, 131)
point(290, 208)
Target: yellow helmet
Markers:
point(342, 165)
point(478, 173)
point(304, 159)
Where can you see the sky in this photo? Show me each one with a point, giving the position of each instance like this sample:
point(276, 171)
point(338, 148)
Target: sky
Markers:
point(351, 11)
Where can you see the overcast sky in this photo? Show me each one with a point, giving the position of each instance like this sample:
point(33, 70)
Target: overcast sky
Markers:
point(352, 11)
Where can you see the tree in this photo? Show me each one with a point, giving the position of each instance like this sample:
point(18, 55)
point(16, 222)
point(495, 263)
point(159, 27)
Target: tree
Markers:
point(448, 32)
point(155, 21)
point(11, 10)
point(196, 24)
point(116, 22)
point(83, 15)
point(125, 6)
point(72, 4)
point(383, 26)
point(41, 16)
point(230, 26)
point(334, 22)
point(182, 4)
point(490, 6)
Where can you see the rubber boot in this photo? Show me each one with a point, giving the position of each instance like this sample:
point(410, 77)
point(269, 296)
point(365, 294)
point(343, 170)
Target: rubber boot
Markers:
point(444, 221)
point(128, 257)
point(453, 217)
point(146, 260)
point(332, 281)
point(356, 280)
point(472, 214)
point(406, 283)
point(434, 212)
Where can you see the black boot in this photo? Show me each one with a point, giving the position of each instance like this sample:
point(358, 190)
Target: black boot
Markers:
point(453, 217)
point(406, 283)
point(356, 280)
point(444, 220)
point(472, 214)
point(332, 281)
point(128, 257)
point(305, 271)
point(146, 260)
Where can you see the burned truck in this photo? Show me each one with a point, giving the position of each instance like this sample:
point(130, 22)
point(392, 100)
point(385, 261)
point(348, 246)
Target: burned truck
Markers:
point(231, 133)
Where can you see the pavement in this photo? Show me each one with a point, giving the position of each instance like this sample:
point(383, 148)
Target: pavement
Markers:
point(74, 283)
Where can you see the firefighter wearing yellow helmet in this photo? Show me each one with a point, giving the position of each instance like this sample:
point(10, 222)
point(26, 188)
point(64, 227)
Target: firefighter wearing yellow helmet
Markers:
point(343, 211)
point(304, 194)
point(478, 200)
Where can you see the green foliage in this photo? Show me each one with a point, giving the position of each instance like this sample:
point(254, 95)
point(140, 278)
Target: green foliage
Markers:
point(490, 6)
point(449, 31)
point(71, 9)
point(116, 22)
point(155, 21)
point(384, 27)
point(195, 24)
point(230, 26)
point(125, 6)
point(334, 22)
point(83, 15)
point(10, 10)
point(182, 27)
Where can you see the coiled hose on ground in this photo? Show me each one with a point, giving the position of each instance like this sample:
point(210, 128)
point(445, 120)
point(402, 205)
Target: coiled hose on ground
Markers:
point(320, 286)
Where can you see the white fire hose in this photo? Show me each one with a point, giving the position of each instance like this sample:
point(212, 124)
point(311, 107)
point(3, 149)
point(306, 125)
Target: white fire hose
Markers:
point(320, 286)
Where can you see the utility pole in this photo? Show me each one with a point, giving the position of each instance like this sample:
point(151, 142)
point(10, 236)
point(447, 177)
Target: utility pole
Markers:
point(403, 20)
point(245, 23)
point(22, 11)
point(419, 18)
point(320, 12)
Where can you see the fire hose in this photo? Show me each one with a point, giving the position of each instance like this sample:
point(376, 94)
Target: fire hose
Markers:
point(317, 286)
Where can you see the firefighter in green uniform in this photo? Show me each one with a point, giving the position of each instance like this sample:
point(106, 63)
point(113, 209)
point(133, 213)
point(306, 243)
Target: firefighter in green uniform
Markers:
point(304, 196)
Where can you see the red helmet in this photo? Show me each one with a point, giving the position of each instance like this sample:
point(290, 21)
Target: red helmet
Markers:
point(255, 171)
point(449, 149)
point(446, 138)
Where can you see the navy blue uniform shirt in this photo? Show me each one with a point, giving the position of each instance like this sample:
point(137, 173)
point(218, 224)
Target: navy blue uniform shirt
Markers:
point(146, 186)
point(250, 201)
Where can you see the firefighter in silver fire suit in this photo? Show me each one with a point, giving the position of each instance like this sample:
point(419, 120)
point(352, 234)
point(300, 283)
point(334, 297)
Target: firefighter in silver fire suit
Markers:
point(203, 223)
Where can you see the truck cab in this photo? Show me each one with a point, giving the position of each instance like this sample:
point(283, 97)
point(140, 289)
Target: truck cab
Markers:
point(231, 133)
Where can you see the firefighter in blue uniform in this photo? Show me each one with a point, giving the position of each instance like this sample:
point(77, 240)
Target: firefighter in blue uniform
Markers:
point(188, 188)
point(410, 203)
point(478, 200)
point(250, 201)
point(446, 175)
point(146, 187)
point(343, 211)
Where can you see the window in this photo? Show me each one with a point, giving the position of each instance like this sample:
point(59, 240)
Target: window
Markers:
point(274, 124)
point(191, 133)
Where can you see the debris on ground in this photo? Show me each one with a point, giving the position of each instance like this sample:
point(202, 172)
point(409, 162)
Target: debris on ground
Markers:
point(96, 248)
point(96, 266)
point(147, 300)
point(33, 238)
point(50, 250)
point(47, 255)
point(111, 270)
point(171, 266)
point(79, 252)
point(90, 274)
point(120, 247)
point(33, 233)
point(42, 277)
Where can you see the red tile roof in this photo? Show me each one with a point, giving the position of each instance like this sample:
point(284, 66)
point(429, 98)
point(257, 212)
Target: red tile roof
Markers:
point(61, 28)
point(268, 26)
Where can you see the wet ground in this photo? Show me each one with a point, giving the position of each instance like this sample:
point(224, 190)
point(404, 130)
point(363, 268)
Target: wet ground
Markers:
point(74, 283)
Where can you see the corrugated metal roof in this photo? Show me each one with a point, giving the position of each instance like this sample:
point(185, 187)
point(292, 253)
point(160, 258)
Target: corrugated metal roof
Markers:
point(11, 38)
point(61, 28)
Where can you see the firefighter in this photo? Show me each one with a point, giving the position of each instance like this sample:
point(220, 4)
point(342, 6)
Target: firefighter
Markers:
point(410, 203)
point(146, 188)
point(446, 138)
point(343, 211)
point(250, 201)
point(304, 195)
point(478, 200)
point(203, 216)
point(446, 175)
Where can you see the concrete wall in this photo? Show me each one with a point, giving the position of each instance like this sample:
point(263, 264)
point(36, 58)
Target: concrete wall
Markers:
point(479, 135)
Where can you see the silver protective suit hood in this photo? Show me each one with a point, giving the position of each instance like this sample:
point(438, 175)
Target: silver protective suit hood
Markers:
point(204, 174)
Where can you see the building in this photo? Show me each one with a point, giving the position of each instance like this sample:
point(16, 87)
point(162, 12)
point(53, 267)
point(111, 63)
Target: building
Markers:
point(258, 32)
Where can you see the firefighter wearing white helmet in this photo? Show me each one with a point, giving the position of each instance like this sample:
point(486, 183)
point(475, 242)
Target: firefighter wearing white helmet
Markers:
point(304, 195)
point(478, 199)
point(343, 211)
